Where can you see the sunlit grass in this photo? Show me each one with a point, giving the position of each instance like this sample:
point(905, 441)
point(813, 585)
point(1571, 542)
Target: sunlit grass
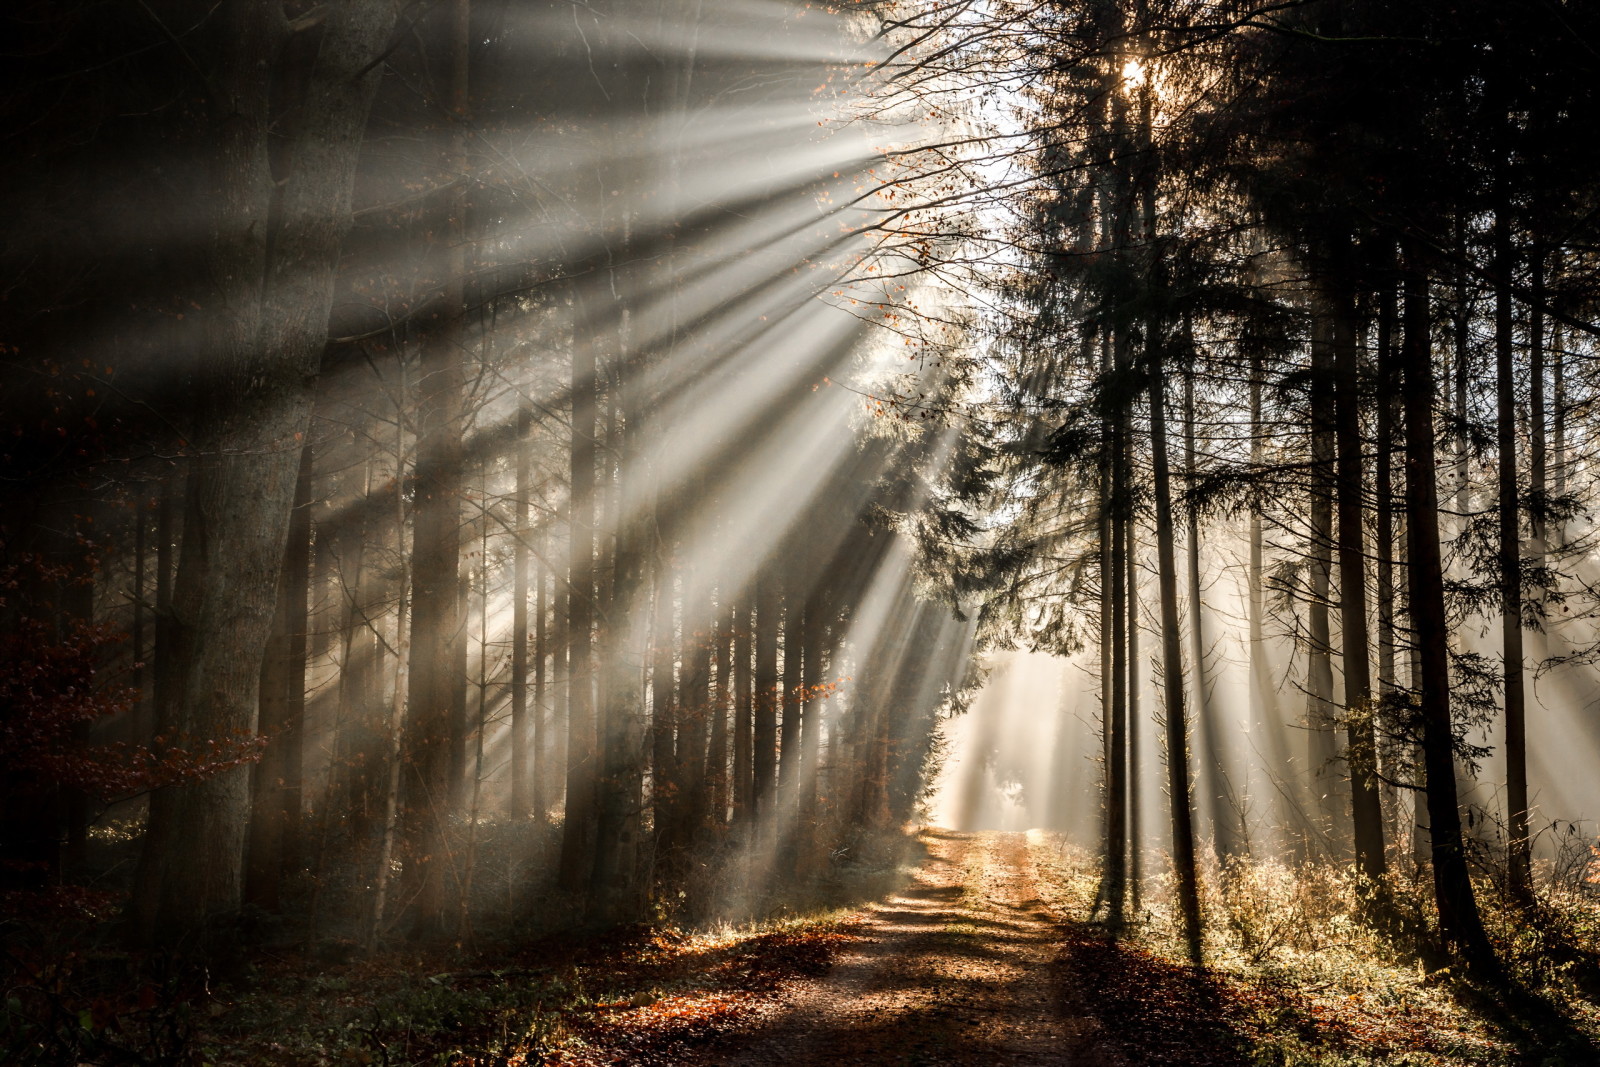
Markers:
point(1304, 979)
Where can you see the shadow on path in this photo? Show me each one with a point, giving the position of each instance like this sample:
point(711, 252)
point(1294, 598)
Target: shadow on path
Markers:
point(954, 970)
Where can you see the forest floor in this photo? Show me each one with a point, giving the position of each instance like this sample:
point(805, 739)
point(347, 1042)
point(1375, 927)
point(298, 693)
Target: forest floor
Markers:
point(984, 957)
point(978, 951)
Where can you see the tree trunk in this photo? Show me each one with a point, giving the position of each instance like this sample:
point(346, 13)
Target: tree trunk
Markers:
point(1510, 550)
point(561, 689)
point(743, 713)
point(520, 560)
point(395, 733)
point(141, 726)
point(768, 696)
point(1538, 414)
point(1459, 920)
point(578, 829)
point(539, 743)
point(1113, 667)
point(694, 703)
point(1361, 752)
point(811, 675)
point(275, 799)
point(1383, 489)
point(1224, 808)
point(625, 636)
point(434, 730)
point(721, 710)
point(665, 713)
point(1266, 724)
point(1177, 732)
point(1130, 551)
point(1462, 334)
point(161, 678)
point(1322, 752)
point(792, 707)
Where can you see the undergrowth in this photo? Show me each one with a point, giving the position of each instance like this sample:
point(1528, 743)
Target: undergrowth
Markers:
point(1297, 974)
point(531, 993)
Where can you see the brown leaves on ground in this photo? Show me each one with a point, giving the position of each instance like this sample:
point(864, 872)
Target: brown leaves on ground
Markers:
point(640, 995)
point(726, 979)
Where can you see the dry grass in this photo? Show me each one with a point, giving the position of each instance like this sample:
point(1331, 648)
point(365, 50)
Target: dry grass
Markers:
point(1302, 978)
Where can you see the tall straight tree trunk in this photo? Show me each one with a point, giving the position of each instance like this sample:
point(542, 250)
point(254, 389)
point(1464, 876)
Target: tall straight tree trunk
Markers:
point(694, 697)
point(1383, 488)
point(1459, 921)
point(721, 709)
point(460, 707)
point(1462, 334)
point(1558, 417)
point(540, 743)
point(1113, 675)
point(276, 800)
point(811, 673)
point(344, 787)
point(1322, 746)
point(768, 696)
point(1114, 194)
point(666, 798)
point(521, 533)
point(345, 782)
point(561, 690)
point(578, 828)
point(625, 639)
point(1130, 551)
point(435, 632)
point(1177, 732)
point(1265, 723)
point(168, 509)
point(791, 708)
point(1538, 413)
point(395, 731)
point(361, 745)
point(1224, 808)
point(1510, 549)
point(614, 882)
point(142, 724)
point(480, 718)
point(434, 732)
point(743, 712)
point(1366, 809)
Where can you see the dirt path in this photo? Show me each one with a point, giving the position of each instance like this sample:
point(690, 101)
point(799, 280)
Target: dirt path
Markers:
point(958, 969)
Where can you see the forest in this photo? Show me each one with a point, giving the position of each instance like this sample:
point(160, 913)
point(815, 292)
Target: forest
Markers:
point(771, 531)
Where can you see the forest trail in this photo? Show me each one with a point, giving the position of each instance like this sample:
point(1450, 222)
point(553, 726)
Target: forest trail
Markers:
point(959, 968)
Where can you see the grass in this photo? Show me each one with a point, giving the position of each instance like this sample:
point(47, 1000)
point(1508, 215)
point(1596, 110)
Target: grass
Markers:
point(1295, 976)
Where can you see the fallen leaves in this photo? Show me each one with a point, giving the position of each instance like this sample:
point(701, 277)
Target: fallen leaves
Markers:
point(719, 983)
